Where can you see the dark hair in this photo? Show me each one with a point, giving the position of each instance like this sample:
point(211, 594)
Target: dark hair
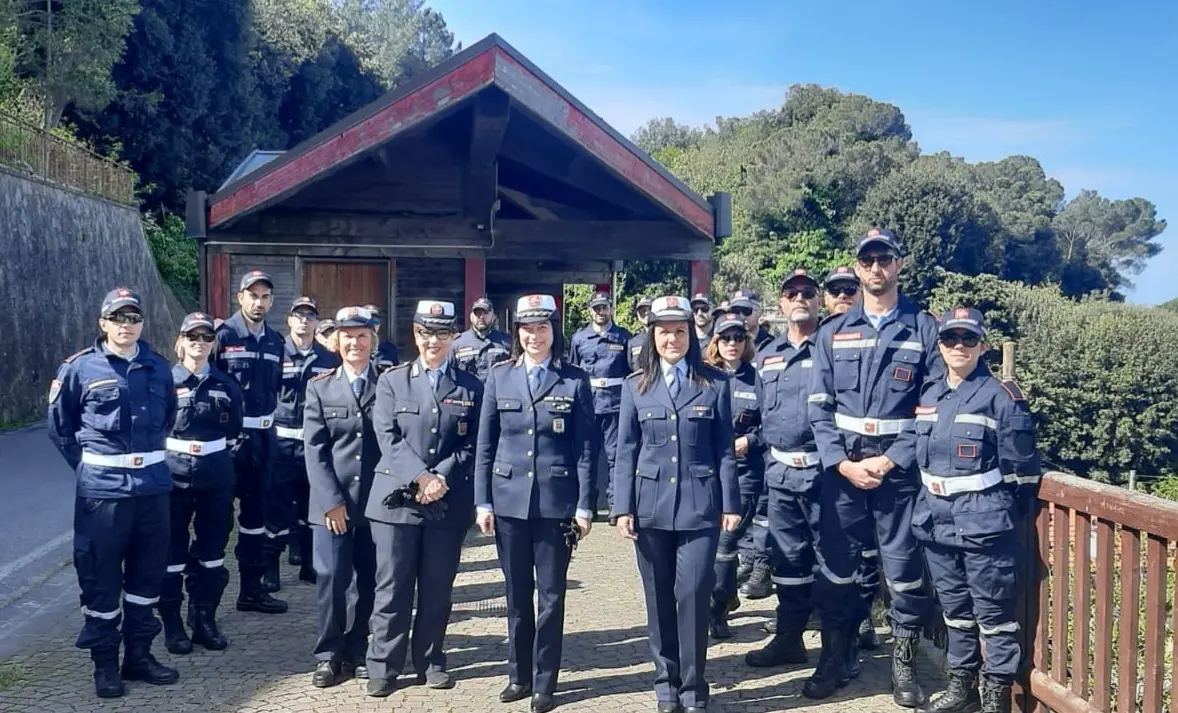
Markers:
point(648, 360)
point(517, 349)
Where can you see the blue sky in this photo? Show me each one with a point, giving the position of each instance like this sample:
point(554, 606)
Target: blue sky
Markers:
point(1090, 88)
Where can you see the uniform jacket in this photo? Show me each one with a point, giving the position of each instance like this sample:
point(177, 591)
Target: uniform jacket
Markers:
point(297, 370)
point(537, 454)
point(785, 374)
point(860, 373)
point(602, 356)
point(111, 406)
point(676, 468)
point(255, 362)
point(634, 350)
point(477, 355)
point(421, 429)
point(762, 337)
point(341, 446)
point(209, 408)
point(384, 357)
point(745, 388)
point(982, 426)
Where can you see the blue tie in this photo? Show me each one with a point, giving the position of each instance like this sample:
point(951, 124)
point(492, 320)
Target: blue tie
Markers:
point(534, 381)
point(358, 387)
point(673, 385)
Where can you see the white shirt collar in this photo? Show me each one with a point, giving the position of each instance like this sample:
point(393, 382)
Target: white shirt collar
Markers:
point(441, 367)
point(352, 377)
point(529, 364)
point(129, 357)
point(680, 366)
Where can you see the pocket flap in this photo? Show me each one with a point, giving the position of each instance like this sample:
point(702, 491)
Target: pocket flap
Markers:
point(651, 413)
point(510, 405)
point(408, 407)
point(702, 411)
point(651, 472)
point(700, 470)
point(907, 356)
point(973, 431)
point(501, 469)
point(846, 355)
point(559, 471)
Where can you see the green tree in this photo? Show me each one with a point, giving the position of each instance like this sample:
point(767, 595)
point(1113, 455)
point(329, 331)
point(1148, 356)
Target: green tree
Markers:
point(1171, 305)
point(1103, 242)
point(1024, 201)
point(175, 255)
point(664, 133)
point(394, 38)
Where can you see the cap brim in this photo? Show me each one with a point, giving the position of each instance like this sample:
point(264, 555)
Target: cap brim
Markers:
point(878, 241)
point(962, 325)
point(120, 303)
point(250, 283)
point(800, 278)
point(845, 277)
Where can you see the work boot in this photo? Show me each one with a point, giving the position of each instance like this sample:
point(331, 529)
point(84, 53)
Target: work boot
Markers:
point(853, 667)
point(744, 570)
point(783, 649)
point(203, 621)
point(868, 638)
point(719, 625)
point(995, 696)
point(107, 682)
point(140, 665)
point(294, 551)
point(760, 582)
point(831, 672)
point(176, 639)
point(251, 597)
point(272, 579)
point(959, 696)
point(906, 691)
point(733, 603)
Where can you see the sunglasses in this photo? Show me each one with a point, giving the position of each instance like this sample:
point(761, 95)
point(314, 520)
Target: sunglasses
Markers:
point(737, 338)
point(703, 309)
point(439, 335)
point(206, 337)
point(883, 260)
point(742, 311)
point(966, 340)
point(842, 291)
point(808, 293)
point(304, 315)
point(125, 318)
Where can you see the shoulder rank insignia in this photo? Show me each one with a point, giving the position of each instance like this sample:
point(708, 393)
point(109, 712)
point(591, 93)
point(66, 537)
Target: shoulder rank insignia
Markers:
point(77, 354)
point(1013, 389)
point(632, 374)
point(55, 389)
point(322, 375)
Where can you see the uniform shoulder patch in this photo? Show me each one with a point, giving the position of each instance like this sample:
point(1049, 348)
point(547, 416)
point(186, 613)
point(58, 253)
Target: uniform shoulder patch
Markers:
point(321, 375)
point(77, 354)
point(632, 374)
point(505, 362)
point(1011, 386)
point(54, 390)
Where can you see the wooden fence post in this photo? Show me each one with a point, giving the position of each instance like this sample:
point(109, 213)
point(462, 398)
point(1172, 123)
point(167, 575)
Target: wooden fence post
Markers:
point(1008, 360)
point(1133, 480)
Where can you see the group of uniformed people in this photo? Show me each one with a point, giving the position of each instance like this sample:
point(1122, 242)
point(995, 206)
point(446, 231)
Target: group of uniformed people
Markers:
point(802, 462)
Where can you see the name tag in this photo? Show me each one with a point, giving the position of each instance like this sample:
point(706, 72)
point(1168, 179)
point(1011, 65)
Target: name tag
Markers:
point(745, 395)
point(616, 347)
point(99, 383)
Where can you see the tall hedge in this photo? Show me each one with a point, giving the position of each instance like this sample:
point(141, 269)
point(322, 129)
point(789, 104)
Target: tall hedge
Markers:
point(1101, 378)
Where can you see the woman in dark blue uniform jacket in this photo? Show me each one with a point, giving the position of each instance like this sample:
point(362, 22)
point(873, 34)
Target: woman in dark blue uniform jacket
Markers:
point(422, 500)
point(534, 487)
point(208, 420)
point(675, 488)
point(731, 350)
point(979, 470)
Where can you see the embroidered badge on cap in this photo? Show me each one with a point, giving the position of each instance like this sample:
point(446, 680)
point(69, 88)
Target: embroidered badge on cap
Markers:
point(673, 302)
point(961, 313)
point(435, 309)
point(123, 292)
point(534, 301)
point(873, 233)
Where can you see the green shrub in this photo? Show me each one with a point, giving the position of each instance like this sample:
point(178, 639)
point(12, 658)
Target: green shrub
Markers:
point(175, 256)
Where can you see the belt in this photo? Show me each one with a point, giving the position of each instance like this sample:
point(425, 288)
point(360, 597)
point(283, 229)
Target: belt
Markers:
point(196, 448)
point(606, 382)
point(124, 460)
point(873, 426)
point(258, 422)
point(797, 459)
point(294, 434)
point(952, 485)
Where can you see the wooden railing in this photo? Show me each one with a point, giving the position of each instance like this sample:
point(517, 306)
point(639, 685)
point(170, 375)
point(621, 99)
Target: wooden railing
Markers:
point(1102, 639)
point(28, 148)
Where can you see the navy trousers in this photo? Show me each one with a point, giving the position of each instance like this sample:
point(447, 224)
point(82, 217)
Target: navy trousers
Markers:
point(345, 580)
point(534, 558)
point(253, 464)
point(412, 561)
point(198, 564)
point(281, 513)
point(793, 528)
point(726, 551)
point(120, 553)
point(607, 426)
point(677, 581)
point(754, 545)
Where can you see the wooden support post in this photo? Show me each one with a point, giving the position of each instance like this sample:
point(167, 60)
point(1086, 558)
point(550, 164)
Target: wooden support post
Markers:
point(1008, 360)
point(216, 302)
point(701, 277)
point(1133, 480)
point(475, 283)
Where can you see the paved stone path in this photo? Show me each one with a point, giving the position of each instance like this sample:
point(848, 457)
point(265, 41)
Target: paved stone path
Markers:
point(606, 660)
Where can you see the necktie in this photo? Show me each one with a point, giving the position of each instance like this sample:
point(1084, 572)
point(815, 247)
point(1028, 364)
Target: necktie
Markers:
point(358, 387)
point(673, 384)
point(534, 379)
point(433, 379)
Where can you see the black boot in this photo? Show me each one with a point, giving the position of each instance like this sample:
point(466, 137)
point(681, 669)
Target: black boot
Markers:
point(853, 667)
point(272, 579)
point(760, 583)
point(176, 639)
point(744, 570)
point(906, 691)
point(959, 696)
point(868, 638)
point(203, 620)
point(995, 696)
point(783, 649)
point(140, 665)
point(252, 598)
point(107, 682)
point(294, 552)
point(719, 623)
point(831, 672)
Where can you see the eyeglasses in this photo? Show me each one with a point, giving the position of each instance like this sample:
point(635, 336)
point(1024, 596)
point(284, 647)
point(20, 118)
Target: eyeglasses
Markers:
point(966, 340)
point(808, 293)
point(883, 260)
point(206, 337)
point(703, 309)
point(738, 338)
point(479, 312)
point(849, 291)
point(304, 315)
point(425, 336)
point(125, 318)
point(742, 311)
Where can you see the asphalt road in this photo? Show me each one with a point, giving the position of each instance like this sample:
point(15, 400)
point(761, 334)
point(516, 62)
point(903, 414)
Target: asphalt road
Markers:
point(36, 508)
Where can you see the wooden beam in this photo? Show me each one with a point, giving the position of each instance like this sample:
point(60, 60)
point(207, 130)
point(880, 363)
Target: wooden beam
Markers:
point(492, 111)
point(524, 202)
point(474, 282)
point(701, 277)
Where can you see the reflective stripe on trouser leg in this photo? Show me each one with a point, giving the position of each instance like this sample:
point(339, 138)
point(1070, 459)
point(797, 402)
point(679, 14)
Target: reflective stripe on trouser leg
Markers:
point(911, 602)
point(207, 576)
point(846, 528)
point(947, 570)
point(793, 524)
point(281, 512)
point(145, 567)
point(100, 530)
point(253, 467)
point(726, 553)
point(993, 584)
point(182, 501)
point(869, 577)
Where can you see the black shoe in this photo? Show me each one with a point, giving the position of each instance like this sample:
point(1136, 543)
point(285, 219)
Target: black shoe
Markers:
point(782, 649)
point(107, 681)
point(769, 627)
point(853, 665)
point(140, 665)
point(327, 674)
point(868, 638)
point(760, 583)
point(831, 672)
point(203, 621)
point(668, 707)
point(260, 602)
point(733, 603)
point(514, 692)
point(959, 696)
point(744, 570)
point(272, 579)
point(995, 696)
point(360, 671)
point(176, 639)
point(294, 553)
point(306, 574)
point(543, 702)
point(719, 627)
point(437, 680)
point(613, 521)
point(906, 691)
point(381, 687)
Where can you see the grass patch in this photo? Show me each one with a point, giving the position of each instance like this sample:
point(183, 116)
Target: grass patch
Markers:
point(11, 673)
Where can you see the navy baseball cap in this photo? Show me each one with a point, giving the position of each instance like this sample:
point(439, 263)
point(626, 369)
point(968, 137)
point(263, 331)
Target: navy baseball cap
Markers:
point(253, 277)
point(195, 321)
point(306, 302)
point(643, 301)
point(377, 312)
point(599, 298)
point(701, 299)
point(748, 299)
point(799, 275)
point(842, 273)
point(355, 317)
point(878, 237)
point(434, 313)
point(670, 309)
point(730, 321)
point(325, 325)
point(482, 303)
point(720, 309)
point(119, 298)
point(965, 318)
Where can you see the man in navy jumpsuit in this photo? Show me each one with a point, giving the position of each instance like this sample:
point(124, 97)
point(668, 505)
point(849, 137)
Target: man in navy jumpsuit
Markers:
point(251, 352)
point(482, 346)
point(600, 350)
point(638, 341)
point(111, 408)
point(870, 365)
point(701, 315)
point(384, 356)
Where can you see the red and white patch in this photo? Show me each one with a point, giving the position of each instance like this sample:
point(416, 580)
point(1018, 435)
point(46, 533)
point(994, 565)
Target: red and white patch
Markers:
point(925, 410)
point(902, 374)
point(534, 300)
point(772, 360)
point(235, 348)
point(961, 313)
point(967, 450)
point(435, 309)
point(845, 336)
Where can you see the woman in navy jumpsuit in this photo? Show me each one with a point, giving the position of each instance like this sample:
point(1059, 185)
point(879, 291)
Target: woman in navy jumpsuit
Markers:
point(675, 487)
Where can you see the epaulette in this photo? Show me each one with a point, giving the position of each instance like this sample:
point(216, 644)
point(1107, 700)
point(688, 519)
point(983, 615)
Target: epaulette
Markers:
point(322, 375)
point(505, 362)
point(632, 374)
point(75, 355)
point(1011, 386)
point(934, 315)
point(404, 365)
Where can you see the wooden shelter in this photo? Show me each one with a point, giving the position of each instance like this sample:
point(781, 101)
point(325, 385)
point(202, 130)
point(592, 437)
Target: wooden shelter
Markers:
point(482, 177)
